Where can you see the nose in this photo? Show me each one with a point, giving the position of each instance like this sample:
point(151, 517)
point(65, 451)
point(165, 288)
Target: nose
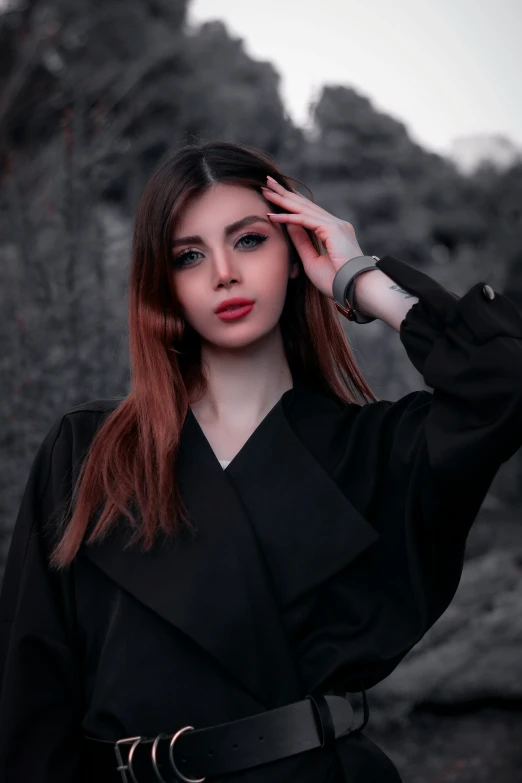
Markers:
point(224, 271)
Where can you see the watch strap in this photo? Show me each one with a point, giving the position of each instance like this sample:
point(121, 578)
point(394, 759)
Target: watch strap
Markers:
point(344, 285)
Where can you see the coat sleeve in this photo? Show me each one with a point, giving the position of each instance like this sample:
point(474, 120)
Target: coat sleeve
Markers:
point(469, 351)
point(40, 685)
point(438, 452)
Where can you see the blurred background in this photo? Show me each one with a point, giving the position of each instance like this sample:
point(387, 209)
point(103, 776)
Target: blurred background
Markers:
point(404, 118)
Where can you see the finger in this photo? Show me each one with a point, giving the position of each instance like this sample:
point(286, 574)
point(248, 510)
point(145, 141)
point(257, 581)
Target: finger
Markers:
point(280, 197)
point(312, 221)
point(303, 244)
point(317, 267)
point(295, 200)
point(272, 183)
point(291, 195)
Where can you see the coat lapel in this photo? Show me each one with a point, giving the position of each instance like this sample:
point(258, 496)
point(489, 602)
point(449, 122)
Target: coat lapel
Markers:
point(268, 529)
point(307, 528)
point(213, 585)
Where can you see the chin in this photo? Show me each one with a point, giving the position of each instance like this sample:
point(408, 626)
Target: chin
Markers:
point(240, 336)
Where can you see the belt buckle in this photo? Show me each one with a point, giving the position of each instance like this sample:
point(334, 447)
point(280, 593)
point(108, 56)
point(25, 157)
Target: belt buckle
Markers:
point(122, 767)
point(171, 756)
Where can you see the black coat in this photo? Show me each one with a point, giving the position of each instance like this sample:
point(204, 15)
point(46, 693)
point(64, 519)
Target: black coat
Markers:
point(325, 551)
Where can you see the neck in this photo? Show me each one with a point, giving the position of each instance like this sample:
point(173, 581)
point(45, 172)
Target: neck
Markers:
point(244, 383)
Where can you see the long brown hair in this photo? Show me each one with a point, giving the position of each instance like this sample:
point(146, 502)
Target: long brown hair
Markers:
point(132, 456)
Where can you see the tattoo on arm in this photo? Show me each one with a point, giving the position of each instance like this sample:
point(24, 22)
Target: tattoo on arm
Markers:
point(400, 290)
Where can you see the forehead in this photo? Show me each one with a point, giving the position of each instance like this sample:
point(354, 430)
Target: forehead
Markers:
point(219, 205)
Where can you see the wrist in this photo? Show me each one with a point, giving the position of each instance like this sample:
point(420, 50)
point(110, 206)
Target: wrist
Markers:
point(381, 297)
point(365, 286)
point(343, 286)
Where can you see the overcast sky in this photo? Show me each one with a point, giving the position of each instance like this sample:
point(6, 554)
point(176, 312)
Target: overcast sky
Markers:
point(446, 68)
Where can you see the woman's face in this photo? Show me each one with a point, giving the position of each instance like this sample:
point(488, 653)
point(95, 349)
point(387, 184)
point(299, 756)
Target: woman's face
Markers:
point(251, 261)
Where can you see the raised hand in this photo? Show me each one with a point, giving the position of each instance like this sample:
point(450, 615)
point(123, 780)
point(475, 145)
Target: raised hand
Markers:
point(338, 236)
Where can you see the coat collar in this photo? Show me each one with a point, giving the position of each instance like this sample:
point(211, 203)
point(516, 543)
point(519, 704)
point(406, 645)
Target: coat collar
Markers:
point(307, 528)
point(269, 528)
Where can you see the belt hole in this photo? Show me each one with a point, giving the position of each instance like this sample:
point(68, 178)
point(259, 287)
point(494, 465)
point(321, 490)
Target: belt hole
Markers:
point(261, 739)
point(235, 747)
point(211, 753)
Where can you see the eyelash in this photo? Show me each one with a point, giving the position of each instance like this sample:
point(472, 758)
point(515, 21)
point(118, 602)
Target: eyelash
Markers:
point(260, 237)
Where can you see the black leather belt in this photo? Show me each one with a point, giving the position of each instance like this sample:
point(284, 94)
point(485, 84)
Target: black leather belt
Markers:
point(190, 754)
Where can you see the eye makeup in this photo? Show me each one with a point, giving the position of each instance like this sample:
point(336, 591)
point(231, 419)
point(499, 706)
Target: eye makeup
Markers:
point(178, 260)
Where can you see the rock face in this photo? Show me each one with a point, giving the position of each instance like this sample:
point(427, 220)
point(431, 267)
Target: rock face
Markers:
point(478, 747)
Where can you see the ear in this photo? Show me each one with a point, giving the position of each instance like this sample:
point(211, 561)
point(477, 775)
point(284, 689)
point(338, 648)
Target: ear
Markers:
point(294, 270)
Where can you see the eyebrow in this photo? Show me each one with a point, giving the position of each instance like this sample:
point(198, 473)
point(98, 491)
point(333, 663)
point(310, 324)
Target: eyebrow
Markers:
point(233, 227)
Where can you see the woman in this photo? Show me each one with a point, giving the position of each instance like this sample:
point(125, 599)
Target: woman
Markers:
point(287, 545)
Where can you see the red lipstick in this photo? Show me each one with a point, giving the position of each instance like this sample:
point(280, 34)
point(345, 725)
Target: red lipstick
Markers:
point(230, 309)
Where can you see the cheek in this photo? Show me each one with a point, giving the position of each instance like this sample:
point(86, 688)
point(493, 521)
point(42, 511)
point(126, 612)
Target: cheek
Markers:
point(274, 278)
point(188, 297)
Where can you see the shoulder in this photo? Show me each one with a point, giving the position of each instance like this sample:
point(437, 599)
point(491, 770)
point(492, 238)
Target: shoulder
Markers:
point(308, 408)
point(66, 442)
point(82, 419)
point(334, 430)
point(52, 471)
point(95, 406)
point(78, 425)
point(85, 417)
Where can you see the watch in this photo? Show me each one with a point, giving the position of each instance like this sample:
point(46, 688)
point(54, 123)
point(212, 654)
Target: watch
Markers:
point(344, 285)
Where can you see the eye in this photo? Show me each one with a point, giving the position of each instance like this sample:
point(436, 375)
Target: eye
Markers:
point(252, 235)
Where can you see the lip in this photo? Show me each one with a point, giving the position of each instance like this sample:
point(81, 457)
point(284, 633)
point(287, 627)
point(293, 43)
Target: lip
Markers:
point(235, 313)
point(236, 301)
